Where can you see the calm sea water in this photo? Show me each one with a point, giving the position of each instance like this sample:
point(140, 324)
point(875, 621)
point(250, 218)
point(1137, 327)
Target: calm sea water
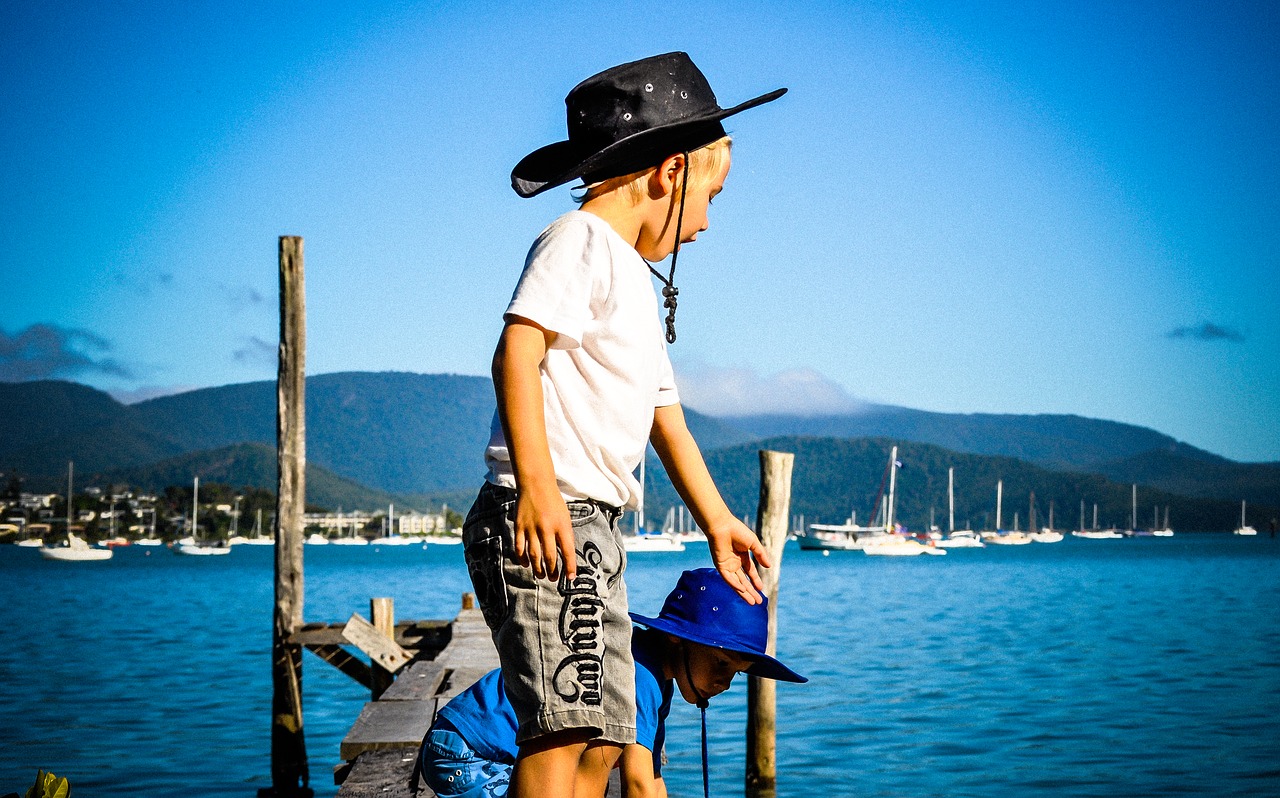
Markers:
point(1129, 667)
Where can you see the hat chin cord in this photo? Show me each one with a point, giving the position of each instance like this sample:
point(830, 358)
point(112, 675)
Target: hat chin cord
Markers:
point(669, 290)
point(702, 707)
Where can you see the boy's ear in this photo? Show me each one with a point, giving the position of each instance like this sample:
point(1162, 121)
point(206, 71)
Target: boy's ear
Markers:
point(666, 178)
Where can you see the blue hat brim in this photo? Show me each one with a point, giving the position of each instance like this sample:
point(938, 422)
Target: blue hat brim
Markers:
point(765, 666)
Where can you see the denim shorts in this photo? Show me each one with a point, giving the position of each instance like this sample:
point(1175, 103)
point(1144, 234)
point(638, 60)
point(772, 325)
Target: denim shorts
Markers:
point(565, 648)
point(452, 769)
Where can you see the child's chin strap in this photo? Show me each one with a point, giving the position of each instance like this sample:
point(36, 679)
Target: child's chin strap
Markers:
point(702, 706)
point(669, 290)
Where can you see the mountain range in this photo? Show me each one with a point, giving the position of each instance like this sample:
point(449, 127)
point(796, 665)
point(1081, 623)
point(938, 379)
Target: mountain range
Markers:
point(417, 439)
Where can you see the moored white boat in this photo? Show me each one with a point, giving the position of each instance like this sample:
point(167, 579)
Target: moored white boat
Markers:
point(316, 539)
point(961, 539)
point(1046, 536)
point(76, 550)
point(660, 542)
point(899, 546)
point(192, 546)
point(1097, 534)
point(1000, 538)
point(1244, 529)
point(839, 537)
point(32, 543)
point(202, 549)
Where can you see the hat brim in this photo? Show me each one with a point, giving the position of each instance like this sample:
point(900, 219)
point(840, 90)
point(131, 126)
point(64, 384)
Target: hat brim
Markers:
point(764, 666)
point(558, 163)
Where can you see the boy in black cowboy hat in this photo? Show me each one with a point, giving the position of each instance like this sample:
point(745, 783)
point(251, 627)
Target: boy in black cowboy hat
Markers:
point(704, 636)
point(583, 384)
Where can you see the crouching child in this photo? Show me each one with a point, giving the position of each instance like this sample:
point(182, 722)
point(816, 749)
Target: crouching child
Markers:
point(704, 636)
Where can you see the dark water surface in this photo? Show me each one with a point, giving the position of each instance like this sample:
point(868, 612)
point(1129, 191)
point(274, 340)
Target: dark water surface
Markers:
point(1127, 667)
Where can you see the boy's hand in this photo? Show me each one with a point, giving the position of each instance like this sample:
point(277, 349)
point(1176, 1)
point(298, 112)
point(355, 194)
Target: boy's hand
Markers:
point(735, 550)
point(544, 536)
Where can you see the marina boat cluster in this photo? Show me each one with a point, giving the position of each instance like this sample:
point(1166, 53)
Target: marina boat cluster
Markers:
point(886, 537)
point(95, 522)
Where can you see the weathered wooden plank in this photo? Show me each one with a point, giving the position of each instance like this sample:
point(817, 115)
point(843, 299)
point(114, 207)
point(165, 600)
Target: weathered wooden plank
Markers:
point(422, 636)
point(416, 682)
point(382, 650)
point(388, 724)
point(383, 774)
point(462, 678)
point(340, 658)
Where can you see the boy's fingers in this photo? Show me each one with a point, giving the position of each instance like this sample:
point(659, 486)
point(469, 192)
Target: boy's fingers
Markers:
point(569, 557)
point(551, 553)
point(535, 555)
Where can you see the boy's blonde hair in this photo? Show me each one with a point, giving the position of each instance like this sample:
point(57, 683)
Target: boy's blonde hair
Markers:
point(704, 164)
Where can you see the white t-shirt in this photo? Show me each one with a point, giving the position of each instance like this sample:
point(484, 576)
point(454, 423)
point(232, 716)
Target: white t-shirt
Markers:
point(607, 368)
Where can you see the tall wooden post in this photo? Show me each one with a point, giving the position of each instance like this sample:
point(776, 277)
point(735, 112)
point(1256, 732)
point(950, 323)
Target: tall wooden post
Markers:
point(771, 526)
point(383, 613)
point(289, 774)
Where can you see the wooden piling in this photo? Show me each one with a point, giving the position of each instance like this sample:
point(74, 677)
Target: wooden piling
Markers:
point(383, 613)
point(771, 526)
point(289, 773)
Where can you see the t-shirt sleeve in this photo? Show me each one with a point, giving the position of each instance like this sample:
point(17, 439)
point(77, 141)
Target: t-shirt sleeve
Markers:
point(650, 722)
point(554, 290)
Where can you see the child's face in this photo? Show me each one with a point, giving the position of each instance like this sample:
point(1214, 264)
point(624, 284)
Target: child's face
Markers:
point(697, 203)
point(711, 671)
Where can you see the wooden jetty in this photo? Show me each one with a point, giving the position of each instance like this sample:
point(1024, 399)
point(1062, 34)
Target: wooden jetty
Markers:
point(380, 749)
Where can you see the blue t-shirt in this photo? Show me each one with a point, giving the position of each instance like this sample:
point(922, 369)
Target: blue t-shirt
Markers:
point(484, 717)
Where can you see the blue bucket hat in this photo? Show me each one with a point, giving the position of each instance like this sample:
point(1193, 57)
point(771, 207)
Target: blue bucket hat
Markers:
point(704, 609)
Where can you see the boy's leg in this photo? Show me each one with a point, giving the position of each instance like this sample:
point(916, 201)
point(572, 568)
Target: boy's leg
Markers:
point(548, 765)
point(593, 769)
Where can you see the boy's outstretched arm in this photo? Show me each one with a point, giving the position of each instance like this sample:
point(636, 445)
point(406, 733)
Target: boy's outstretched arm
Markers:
point(735, 549)
point(638, 781)
point(543, 527)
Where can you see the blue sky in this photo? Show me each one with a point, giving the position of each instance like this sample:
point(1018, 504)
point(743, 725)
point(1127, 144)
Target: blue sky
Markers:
point(965, 207)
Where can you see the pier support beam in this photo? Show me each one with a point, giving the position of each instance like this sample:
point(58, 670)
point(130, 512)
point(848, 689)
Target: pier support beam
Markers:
point(771, 526)
point(289, 775)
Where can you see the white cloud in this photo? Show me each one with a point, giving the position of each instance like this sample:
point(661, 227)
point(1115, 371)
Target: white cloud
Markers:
point(739, 392)
point(141, 394)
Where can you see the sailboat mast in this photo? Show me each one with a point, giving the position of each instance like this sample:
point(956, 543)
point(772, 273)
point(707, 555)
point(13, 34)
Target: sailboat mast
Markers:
point(195, 505)
point(999, 501)
point(71, 467)
point(893, 479)
point(951, 500)
point(1133, 512)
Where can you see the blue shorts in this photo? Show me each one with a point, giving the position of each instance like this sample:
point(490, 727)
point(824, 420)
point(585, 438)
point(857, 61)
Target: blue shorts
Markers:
point(453, 769)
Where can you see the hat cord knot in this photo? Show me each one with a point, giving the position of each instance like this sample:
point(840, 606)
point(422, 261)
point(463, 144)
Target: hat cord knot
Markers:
point(670, 292)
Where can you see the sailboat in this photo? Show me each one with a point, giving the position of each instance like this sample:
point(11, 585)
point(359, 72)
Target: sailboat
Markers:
point(257, 538)
point(195, 546)
point(76, 548)
point(150, 539)
point(849, 536)
point(1046, 535)
point(957, 538)
point(640, 539)
point(1244, 529)
point(896, 543)
point(999, 536)
point(1094, 533)
point(1158, 530)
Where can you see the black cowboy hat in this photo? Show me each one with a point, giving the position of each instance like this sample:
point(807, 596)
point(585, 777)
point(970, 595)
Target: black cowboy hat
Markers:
point(628, 118)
